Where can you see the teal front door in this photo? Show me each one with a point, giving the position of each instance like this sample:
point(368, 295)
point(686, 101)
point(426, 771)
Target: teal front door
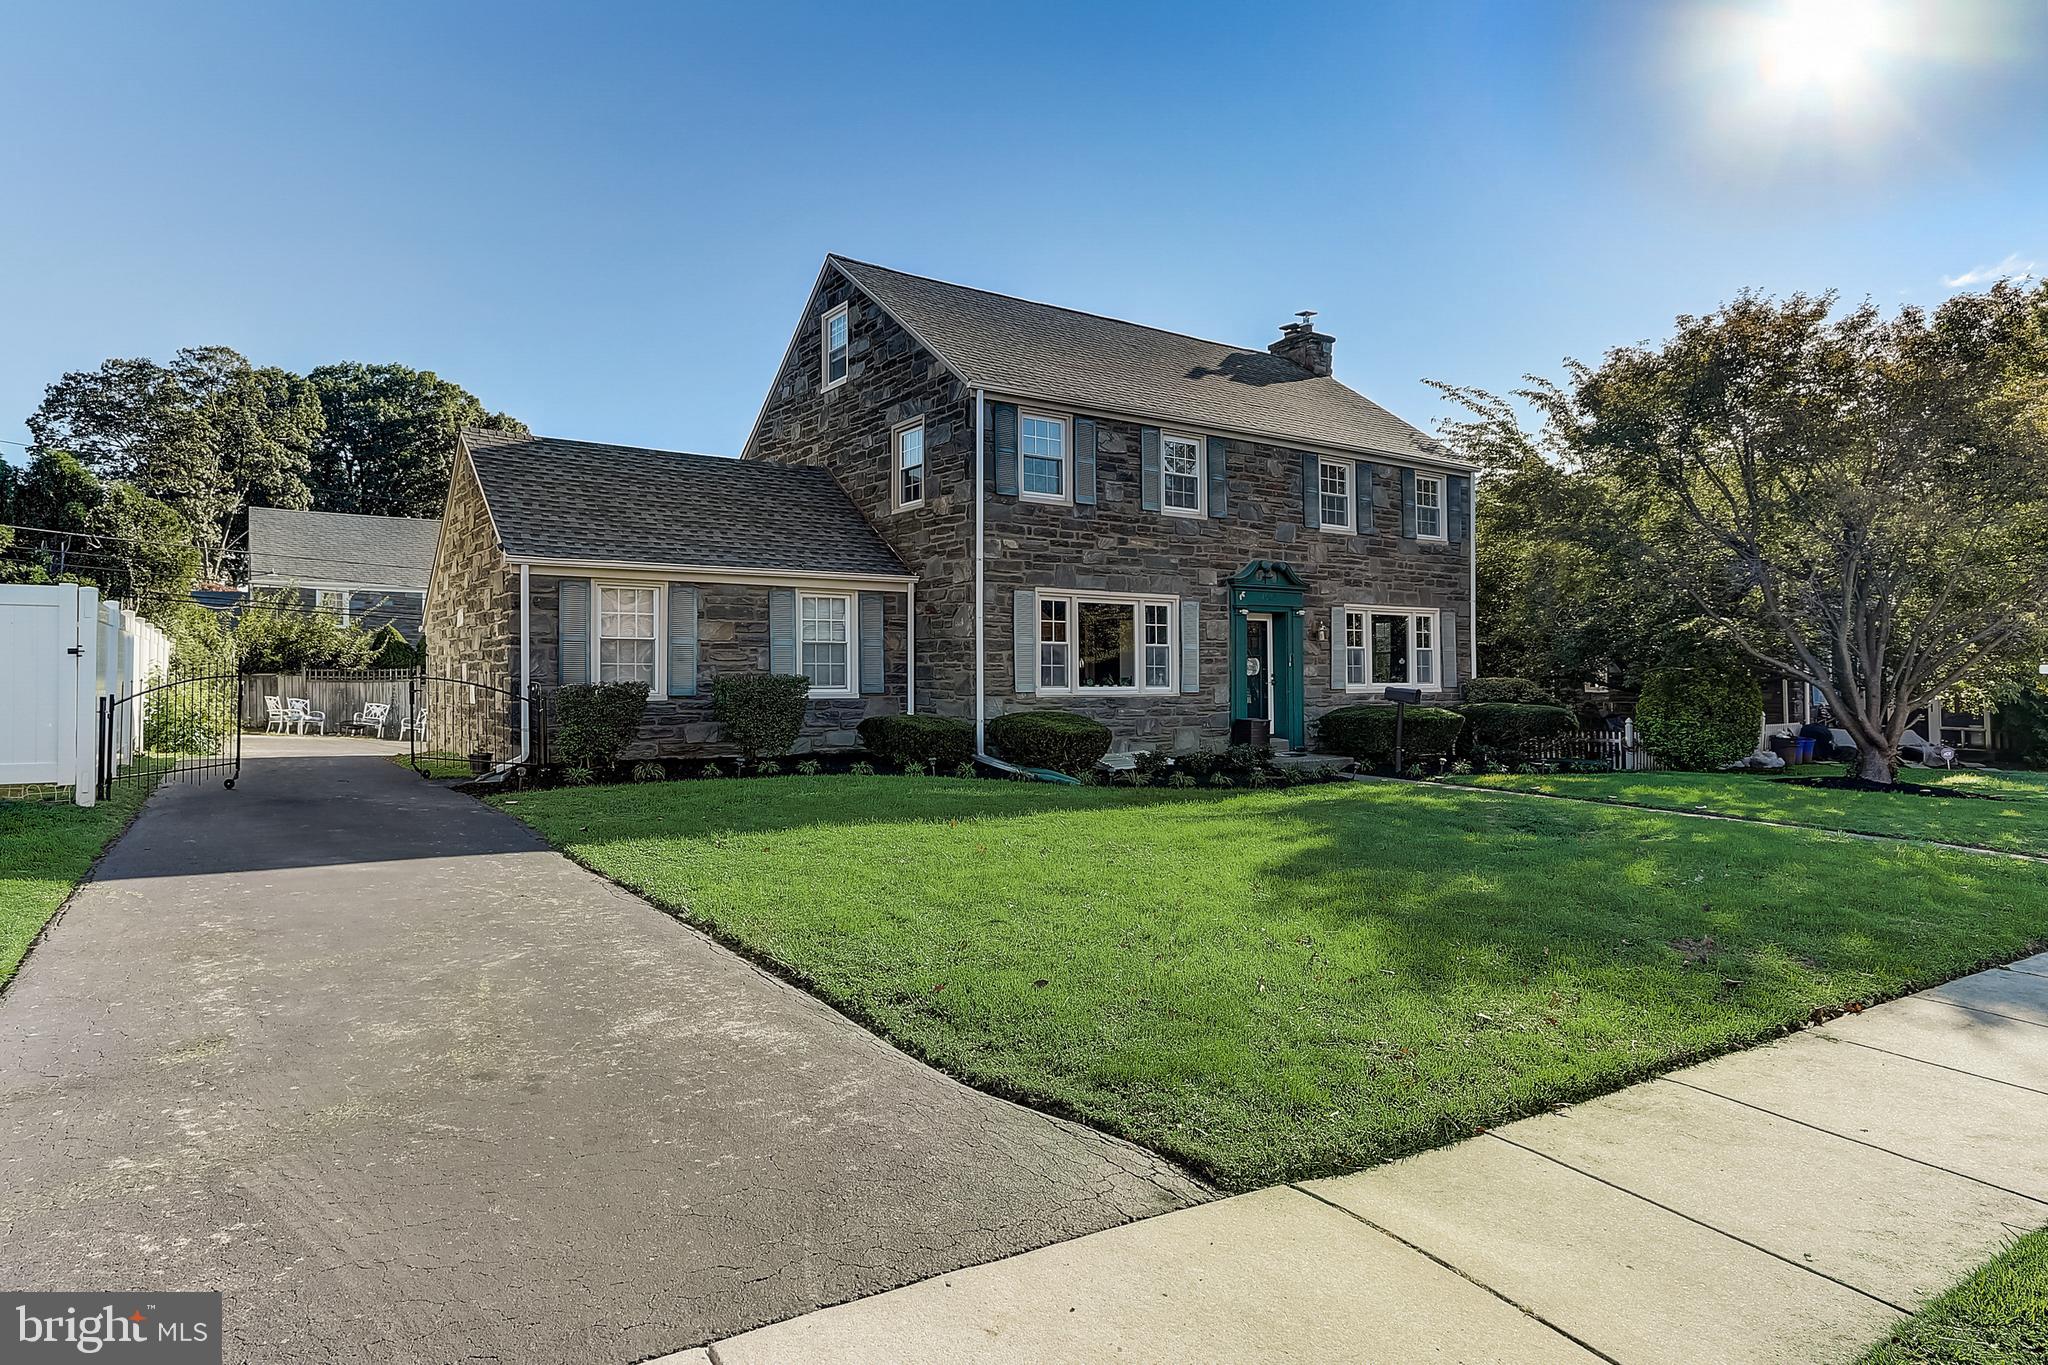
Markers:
point(1266, 620)
point(1258, 668)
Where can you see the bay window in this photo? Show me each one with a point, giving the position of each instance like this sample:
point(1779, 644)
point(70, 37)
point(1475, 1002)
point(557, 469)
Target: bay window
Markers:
point(625, 635)
point(1098, 644)
point(824, 642)
point(1389, 648)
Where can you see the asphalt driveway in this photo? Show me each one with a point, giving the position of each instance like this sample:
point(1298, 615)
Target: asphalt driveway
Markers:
point(408, 1086)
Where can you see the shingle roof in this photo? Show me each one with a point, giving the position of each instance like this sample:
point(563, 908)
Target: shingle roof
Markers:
point(580, 500)
point(341, 547)
point(1014, 346)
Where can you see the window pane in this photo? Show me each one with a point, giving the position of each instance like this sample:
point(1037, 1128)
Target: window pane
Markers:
point(1180, 469)
point(1108, 645)
point(1052, 644)
point(1333, 481)
point(835, 348)
point(910, 459)
point(1158, 646)
point(1425, 650)
point(1042, 445)
point(1429, 507)
point(1354, 648)
point(1389, 649)
point(625, 635)
point(824, 643)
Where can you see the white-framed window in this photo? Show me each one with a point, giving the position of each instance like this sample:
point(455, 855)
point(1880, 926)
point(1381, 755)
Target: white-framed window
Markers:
point(1333, 494)
point(832, 336)
point(1180, 475)
point(1389, 648)
point(910, 464)
point(332, 602)
point(1429, 507)
point(1090, 643)
point(1053, 644)
point(1042, 456)
point(625, 637)
point(825, 642)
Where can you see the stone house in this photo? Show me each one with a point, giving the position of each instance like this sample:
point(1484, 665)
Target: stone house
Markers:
point(1014, 504)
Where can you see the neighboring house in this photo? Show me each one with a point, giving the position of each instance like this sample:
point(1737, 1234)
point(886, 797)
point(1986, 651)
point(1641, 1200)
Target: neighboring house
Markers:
point(367, 571)
point(1171, 534)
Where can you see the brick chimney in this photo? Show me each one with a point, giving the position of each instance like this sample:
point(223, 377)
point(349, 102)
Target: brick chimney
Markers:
point(1301, 343)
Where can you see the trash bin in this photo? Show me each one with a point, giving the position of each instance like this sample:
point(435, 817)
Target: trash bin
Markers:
point(1785, 747)
point(1805, 751)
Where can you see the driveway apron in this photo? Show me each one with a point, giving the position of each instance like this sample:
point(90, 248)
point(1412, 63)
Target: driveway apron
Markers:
point(408, 1086)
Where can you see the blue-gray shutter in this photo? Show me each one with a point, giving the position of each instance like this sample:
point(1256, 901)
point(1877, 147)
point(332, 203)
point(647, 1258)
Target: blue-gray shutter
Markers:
point(1003, 446)
point(1337, 659)
point(782, 632)
point(1380, 474)
point(1447, 651)
point(1219, 477)
point(1148, 468)
point(1084, 459)
point(1024, 640)
point(1190, 645)
point(1311, 505)
point(1408, 504)
point(871, 658)
point(572, 631)
point(1460, 499)
point(682, 640)
point(1365, 497)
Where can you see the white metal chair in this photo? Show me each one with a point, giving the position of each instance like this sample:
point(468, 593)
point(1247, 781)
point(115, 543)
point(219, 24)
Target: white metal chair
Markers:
point(372, 717)
point(302, 714)
point(413, 727)
point(279, 717)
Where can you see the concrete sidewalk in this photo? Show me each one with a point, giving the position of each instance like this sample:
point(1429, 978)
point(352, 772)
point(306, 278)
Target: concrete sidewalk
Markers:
point(1789, 1203)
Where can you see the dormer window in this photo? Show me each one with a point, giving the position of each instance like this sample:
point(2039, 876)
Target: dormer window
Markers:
point(832, 342)
point(1042, 454)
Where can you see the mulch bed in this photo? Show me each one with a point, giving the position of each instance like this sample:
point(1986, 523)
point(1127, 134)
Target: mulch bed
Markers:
point(1846, 783)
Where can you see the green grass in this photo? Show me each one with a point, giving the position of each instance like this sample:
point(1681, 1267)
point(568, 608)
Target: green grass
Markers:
point(46, 847)
point(436, 767)
point(1998, 1315)
point(2017, 822)
point(1273, 985)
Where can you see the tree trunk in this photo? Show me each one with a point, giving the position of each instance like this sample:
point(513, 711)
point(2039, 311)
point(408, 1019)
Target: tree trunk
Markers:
point(1875, 765)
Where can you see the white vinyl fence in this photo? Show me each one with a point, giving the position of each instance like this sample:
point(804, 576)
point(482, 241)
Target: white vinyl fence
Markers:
point(61, 650)
point(1621, 750)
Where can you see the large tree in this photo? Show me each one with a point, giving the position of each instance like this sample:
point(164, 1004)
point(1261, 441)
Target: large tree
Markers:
point(1855, 500)
point(112, 535)
point(209, 434)
point(389, 437)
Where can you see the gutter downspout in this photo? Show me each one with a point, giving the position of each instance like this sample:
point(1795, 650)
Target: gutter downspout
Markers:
point(525, 664)
point(910, 650)
point(1472, 577)
point(980, 552)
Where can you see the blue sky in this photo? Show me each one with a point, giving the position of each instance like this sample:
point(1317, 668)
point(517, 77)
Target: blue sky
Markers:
point(604, 218)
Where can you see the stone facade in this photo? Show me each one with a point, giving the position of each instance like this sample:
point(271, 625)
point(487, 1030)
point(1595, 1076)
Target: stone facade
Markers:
point(1113, 545)
point(471, 625)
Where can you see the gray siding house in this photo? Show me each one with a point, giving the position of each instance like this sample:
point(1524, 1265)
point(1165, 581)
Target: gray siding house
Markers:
point(368, 571)
point(965, 503)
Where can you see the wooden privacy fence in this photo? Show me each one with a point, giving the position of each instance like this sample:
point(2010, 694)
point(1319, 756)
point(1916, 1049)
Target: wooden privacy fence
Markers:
point(339, 693)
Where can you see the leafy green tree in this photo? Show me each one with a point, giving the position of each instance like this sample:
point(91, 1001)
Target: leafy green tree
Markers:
point(389, 437)
point(1856, 501)
point(208, 434)
point(111, 535)
point(275, 632)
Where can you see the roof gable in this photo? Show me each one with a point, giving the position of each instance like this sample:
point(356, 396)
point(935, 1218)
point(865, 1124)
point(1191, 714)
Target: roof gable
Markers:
point(1038, 350)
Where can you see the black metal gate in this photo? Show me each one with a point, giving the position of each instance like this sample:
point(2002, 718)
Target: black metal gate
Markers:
point(185, 728)
point(459, 726)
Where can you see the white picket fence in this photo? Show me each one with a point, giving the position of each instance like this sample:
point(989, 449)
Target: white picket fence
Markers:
point(1621, 750)
point(61, 649)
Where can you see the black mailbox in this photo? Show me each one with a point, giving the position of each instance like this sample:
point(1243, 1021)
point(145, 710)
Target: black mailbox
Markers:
point(1409, 696)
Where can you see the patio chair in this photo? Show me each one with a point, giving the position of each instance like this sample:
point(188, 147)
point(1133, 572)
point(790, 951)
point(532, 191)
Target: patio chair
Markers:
point(413, 727)
point(371, 717)
point(301, 713)
point(279, 717)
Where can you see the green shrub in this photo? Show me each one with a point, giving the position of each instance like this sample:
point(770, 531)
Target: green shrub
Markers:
point(1366, 732)
point(593, 721)
point(762, 713)
point(710, 770)
point(1508, 729)
point(963, 770)
point(1251, 764)
point(649, 772)
point(860, 769)
point(1483, 691)
point(767, 767)
point(1697, 719)
point(276, 632)
point(810, 767)
point(918, 739)
point(1063, 741)
point(390, 649)
point(578, 777)
point(189, 718)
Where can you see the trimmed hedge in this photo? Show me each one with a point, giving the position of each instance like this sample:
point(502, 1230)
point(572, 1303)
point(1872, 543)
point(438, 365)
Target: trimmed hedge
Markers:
point(1063, 741)
point(1514, 726)
point(593, 721)
point(1366, 732)
point(762, 713)
point(946, 740)
point(1486, 691)
point(1698, 719)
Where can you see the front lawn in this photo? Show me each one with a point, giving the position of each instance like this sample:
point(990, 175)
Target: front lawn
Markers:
point(1997, 1316)
point(2017, 822)
point(46, 848)
point(1275, 985)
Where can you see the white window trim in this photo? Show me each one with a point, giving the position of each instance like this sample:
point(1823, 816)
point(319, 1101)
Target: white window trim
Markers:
point(1350, 497)
point(1443, 506)
point(1372, 684)
point(1201, 507)
point(852, 601)
point(1137, 602)
point(346, 596)
point(1066, 426)
point(659, 687)
point(825, 380)
point(896, 466)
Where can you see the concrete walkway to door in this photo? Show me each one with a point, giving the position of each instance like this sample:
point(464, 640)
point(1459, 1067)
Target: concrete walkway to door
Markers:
point(408, 1086)
point(1785, 1204)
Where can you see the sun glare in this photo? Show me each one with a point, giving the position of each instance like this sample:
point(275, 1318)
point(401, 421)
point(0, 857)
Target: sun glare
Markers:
point(1836, 48)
